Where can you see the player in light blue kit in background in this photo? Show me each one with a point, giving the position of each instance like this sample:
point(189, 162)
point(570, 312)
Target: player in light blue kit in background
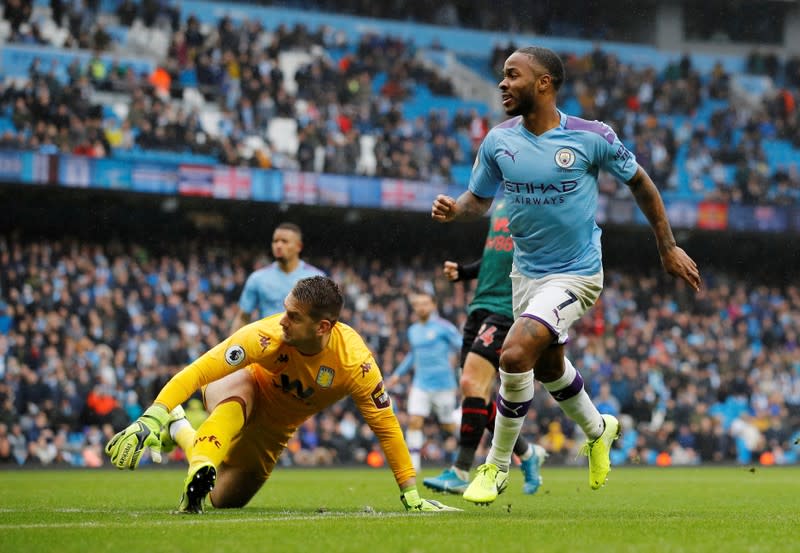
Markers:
point(434, 342)
point(547, 163)
point(267, 287)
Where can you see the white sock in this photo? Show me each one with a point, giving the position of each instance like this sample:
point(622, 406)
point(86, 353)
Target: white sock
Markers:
point(528, 453)
point(414, 440)
point(463, 474)
point(513, 402)
point(175, 426)
point(571, 396)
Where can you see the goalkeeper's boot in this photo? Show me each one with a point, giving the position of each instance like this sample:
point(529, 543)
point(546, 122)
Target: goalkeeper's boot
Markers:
point(530, 470)
point(449, 481)
point(599, 451)
point(488, 484)
point(167, 443)
point(196, 487)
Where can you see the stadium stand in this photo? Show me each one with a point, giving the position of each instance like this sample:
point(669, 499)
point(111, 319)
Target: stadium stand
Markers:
point(227, 89)
point(90, 329)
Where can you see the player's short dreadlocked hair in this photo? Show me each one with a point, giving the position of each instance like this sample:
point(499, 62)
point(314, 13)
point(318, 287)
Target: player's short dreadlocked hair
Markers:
point(322, 296)
point(549, 59)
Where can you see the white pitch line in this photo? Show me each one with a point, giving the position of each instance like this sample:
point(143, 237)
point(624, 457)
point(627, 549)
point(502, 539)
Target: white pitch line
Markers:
point(183, 520)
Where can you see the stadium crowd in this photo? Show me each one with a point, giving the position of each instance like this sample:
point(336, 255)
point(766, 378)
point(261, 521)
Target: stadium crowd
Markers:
point(339, 99)
point(89, 332)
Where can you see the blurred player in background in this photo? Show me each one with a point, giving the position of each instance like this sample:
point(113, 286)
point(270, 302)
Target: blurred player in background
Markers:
point(548, 163)
point(434, 342)
point(490, 317)
point(266, 288)
point(260, 384)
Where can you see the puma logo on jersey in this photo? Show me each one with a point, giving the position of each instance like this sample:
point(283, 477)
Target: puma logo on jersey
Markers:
point(509, 153)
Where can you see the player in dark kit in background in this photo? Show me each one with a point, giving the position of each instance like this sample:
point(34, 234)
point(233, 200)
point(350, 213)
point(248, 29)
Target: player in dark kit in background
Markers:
point(490, 317)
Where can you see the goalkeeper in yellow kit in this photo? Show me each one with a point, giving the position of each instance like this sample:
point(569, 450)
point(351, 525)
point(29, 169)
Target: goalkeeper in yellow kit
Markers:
point(259, 385)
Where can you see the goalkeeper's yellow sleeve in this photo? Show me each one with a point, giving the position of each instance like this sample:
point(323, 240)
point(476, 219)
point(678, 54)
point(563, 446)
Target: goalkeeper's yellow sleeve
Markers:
point(230, 355)
point(376, 408)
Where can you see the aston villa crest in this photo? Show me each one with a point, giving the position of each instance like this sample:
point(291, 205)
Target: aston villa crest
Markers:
point(325, 377)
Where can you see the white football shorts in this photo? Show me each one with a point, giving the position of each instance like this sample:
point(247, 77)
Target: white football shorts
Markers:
point(556, 301)
point(441, 402)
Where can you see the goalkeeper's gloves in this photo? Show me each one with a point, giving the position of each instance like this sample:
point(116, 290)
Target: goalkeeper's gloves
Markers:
point(125, 448)
point(412, 502)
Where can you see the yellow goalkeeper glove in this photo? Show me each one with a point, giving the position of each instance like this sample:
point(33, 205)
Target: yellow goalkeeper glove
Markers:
point(412, 502)
point(125, 448)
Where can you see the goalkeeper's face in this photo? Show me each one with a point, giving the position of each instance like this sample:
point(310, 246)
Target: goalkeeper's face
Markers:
point(300, 329)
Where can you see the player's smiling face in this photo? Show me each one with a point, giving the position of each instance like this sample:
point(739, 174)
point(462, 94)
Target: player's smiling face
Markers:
point(518, 89)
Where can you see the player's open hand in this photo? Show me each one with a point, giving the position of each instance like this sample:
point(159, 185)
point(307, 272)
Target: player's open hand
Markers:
point(443, 209)
point(678, 263)
point(450, 270)
point(126, 448)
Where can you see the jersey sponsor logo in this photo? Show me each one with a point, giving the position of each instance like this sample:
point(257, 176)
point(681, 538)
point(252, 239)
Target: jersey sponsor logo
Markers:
point(500, 225)
point(293, 387)
point(380, 397)
point(325, 376)
point(565, 158)
point(530, 193)
point(622, 154)
point(263, 341)
point(543, 188)
point(234, 355)
point(365, 368)
point(500, 243)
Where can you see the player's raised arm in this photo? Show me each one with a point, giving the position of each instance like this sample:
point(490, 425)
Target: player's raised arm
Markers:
point(674, 259)
point(467, 207)
point(455, 272)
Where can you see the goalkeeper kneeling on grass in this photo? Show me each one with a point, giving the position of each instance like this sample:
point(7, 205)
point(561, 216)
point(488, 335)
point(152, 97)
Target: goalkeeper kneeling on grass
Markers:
point(259, 385)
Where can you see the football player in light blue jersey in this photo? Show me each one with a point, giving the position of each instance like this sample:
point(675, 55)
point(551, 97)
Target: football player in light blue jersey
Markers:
point(267, 287)
point(547, 164)
point(434, 342)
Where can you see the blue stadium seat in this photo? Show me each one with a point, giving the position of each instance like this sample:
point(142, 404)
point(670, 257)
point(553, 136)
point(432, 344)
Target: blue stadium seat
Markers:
point(162, 156)
point(6, 125)
point(461, 173)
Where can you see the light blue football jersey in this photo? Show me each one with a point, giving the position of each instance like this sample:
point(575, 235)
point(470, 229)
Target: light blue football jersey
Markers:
point(432, 345)
point(267, 287)
point(550, 186)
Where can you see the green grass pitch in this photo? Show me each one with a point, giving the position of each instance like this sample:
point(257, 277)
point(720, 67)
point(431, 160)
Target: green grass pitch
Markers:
point(349, 510)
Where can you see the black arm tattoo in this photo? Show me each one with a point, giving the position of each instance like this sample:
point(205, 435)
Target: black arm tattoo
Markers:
point(649, 201)
point(470, 207)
